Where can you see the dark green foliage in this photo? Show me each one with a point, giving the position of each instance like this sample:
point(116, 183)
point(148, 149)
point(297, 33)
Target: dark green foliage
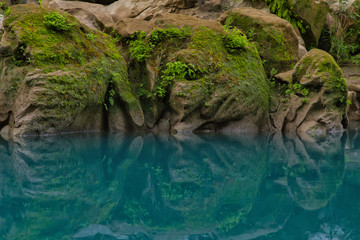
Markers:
point(4, 9)
point(140, 50)
point(344, 34)
point(282, 9)
point(57, 22)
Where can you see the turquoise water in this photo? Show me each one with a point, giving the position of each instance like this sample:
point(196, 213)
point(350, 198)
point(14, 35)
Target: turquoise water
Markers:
point(191, 187)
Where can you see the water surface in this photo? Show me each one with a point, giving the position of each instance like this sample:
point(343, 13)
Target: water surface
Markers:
point(112, 187)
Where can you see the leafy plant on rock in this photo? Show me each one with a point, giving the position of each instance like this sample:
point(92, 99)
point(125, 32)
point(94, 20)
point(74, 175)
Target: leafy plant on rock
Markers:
point(57, 22)
point(174, 70)
point(235, 40)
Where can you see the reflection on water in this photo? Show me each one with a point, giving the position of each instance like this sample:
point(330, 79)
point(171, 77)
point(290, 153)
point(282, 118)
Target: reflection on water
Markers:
point(193, 187)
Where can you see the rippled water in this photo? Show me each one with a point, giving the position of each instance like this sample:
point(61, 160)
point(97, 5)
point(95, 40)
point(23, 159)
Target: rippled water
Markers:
point(193, 187)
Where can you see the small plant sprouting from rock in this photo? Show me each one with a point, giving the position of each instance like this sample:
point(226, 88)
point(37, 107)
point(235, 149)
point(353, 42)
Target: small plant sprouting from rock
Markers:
point(235, 40)
point(57, 22)
point(91, 36)
point(174, 70)
point(296, 88)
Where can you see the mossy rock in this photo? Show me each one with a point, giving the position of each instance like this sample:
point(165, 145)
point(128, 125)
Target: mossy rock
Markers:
point(318, 68)
point(219, 87)
point(58, 80)
point(274, 37)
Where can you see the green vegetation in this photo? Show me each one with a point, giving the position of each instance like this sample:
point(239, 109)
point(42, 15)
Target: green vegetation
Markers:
point(174, 70)
point(344, 33)
point(296, 88)
point(282, 9)
point(235, 40)
point(4, 9)
point(141, 46)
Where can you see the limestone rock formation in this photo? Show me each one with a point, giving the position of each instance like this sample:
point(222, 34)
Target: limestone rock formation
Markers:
point(58, 78)
point(317, 98)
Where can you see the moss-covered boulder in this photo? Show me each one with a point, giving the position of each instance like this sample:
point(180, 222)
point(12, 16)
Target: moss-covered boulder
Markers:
point(57, 75)
point(191, 75)
point(315, 100)
point(274, 37)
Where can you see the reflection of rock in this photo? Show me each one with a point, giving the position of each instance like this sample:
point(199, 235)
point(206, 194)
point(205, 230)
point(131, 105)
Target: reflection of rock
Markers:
point(161, 186)
point(94, 230)
point(273, 205)
point(352, 155)
point(311, 181)
point(200, 184)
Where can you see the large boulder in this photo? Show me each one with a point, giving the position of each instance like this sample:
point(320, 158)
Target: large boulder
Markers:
point(191, 81)
point(58, 78)
point(147, 9)
point(274, 37)
point(316, 98)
